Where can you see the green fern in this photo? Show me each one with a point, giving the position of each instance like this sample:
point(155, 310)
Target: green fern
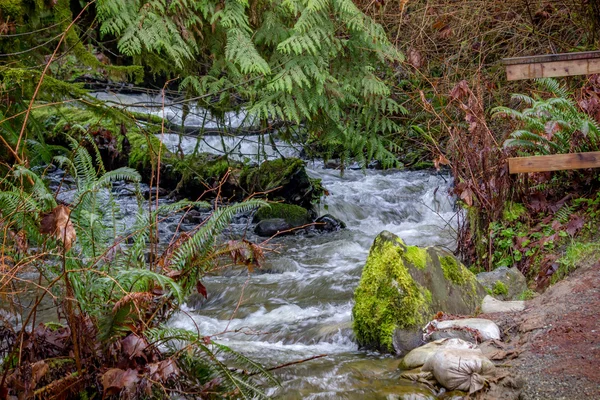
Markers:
point(551, 126)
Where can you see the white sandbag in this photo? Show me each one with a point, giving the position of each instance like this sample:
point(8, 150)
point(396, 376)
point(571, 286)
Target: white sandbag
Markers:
point(487, 329)
point(491, 305)
point(419, 356)
point(466, 370)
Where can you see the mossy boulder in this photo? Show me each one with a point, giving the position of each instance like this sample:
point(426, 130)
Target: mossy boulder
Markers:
point(282, 179)
point(504, 283)
point(402, 287)
point(292, 214)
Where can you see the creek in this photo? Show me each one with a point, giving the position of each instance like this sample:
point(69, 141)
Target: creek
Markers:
point(299, 304)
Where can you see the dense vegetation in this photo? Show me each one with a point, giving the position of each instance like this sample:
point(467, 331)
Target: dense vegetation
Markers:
point(414, 84)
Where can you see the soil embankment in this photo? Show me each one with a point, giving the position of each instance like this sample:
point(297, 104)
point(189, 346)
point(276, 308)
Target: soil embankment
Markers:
point(557, 338)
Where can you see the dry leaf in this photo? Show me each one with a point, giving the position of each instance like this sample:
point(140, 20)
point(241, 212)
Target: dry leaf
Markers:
point(415, 58)
point(134, 346)
point(446, 32)
point(38, 370)
point(115, 380)
point(163, 370)
point(58, 224)
point(467, 196)
point(201, 289)
point(441, 160)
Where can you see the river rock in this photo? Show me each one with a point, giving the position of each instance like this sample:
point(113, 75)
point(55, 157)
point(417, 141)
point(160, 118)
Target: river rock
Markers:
point(504, 283)
point(270, 227)
point(293, 215)
point(329, 223)
point(491, 305)
point(402, 286)
point(419, 356)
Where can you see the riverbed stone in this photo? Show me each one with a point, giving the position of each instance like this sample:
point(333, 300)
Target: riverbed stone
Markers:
point(329, 223)
point(270, 227)
point(504, 283)
point(293, 215)
point(402, 287)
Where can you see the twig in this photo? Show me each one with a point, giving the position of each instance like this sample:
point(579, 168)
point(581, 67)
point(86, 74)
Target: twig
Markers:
point(292, 363)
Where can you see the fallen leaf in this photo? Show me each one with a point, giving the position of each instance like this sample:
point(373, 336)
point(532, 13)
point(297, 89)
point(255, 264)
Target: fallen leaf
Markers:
point(414, 58)
point(441, 160)
point(58, 224)
point(575, 224)
point(38, 370)
point(134, 346)
point(201, 289)
point(467, 196)
point(115, 380)
point(163, 370)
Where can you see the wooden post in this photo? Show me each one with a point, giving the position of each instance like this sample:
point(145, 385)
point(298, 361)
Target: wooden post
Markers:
point(555, 162)
point(552, 65)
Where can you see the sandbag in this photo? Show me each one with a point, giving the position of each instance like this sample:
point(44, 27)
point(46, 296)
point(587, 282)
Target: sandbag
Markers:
point(417, 357)
point(466, 370)
point(486, 329)
point(491, 305)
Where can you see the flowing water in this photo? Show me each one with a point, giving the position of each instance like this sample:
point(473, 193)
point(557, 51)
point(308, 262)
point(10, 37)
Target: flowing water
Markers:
point(299, 304)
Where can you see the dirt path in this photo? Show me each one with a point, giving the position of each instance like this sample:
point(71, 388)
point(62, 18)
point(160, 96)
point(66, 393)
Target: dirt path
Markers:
point(558, 337)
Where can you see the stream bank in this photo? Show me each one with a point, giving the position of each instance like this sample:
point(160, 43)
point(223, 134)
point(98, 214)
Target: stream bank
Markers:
point(556, 339)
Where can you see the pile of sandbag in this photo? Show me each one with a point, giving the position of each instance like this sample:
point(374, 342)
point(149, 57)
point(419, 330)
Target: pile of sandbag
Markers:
point(454, 360)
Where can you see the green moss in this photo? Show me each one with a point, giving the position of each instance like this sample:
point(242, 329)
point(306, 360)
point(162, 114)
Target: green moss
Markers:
point(11, 10)
point(513, 211)
point(271, 174)
point(500, 289)
point(527, 294)
point(144, 149)
point(453, 270)
point(417, 256)
point(423, 165)
point(294, 215)
point(458, 274)
point(575, 255)
point(387, 297)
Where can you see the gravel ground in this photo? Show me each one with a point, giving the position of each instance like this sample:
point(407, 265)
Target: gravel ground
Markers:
point(557, 339)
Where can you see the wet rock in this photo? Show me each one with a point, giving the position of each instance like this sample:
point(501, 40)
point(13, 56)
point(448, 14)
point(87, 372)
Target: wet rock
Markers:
point(504, 283)
point(282, 179)
point(406, 392)
point(473, 330)
point(453, 395)
point(402, 286)
point(375, 164)
point(491, 305)
point(270, 227)
point(293, 215)
point(193, 217)
point(329, 223)
point(419, 356)
point(332, 164)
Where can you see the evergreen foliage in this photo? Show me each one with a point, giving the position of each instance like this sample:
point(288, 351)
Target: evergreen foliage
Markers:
point(322, 64)
point(553, 125)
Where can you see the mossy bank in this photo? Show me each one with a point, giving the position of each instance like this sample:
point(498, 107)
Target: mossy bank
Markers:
point(122, 141)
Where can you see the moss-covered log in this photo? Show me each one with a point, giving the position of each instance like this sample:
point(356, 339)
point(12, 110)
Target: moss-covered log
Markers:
point(122, 142)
